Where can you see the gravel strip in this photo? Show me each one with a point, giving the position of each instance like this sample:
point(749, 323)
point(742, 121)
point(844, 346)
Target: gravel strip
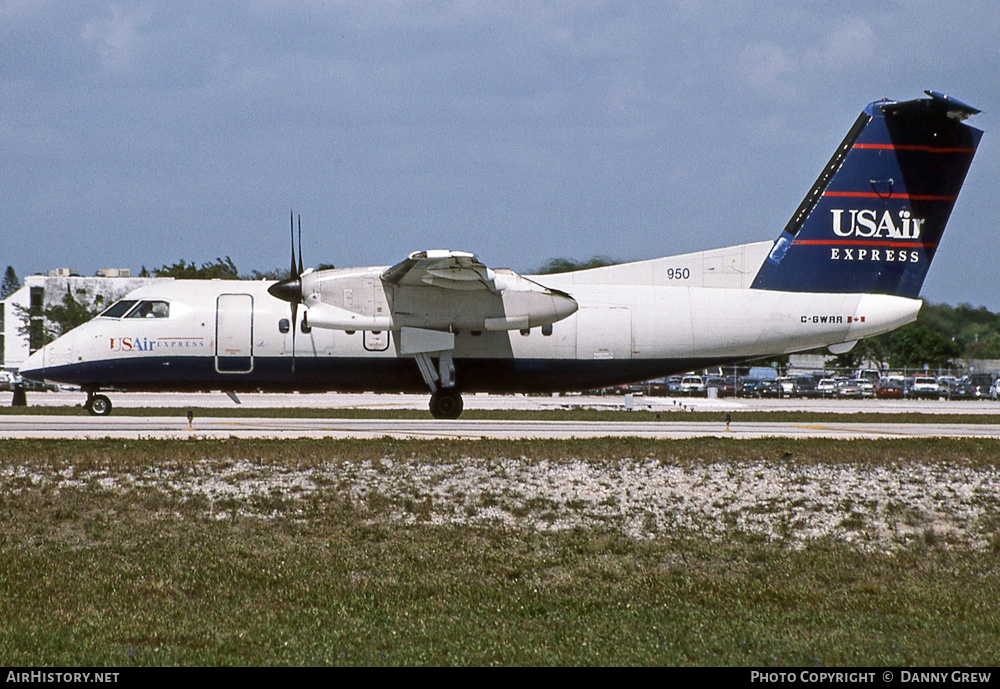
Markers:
point(880, 508)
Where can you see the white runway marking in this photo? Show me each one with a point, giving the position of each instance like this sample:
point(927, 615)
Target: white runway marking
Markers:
point(177, 427)
point(119, 426)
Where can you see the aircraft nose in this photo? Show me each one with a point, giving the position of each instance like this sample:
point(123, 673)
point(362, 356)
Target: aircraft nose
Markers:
point(33, 367)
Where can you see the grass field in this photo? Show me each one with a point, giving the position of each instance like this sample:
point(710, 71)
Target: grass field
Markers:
point(610, 551)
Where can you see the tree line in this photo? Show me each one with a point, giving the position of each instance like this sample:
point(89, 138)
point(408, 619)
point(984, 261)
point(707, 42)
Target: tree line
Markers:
point(941, 335)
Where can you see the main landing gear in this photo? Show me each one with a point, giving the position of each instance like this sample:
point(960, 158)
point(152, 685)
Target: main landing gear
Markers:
point(446, 401)
point(446, 404)
point(97, 405)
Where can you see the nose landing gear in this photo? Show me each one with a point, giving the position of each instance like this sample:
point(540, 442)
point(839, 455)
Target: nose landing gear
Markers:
point(97, 405)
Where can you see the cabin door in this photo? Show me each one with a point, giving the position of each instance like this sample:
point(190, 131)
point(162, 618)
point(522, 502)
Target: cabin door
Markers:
point(234, 333)
point(603, 333)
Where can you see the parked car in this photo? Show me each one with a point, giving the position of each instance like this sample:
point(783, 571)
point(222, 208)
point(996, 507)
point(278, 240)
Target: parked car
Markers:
point(974, 387)
point(867, 387)
point(806, 386)
point(714, 382)
point(869, 374)
point(729, 386)
point(826, 387)
point(768, 388)
point(748, 387)
point(674, 385)
point(656, 387)
point(889, 389)
point(946, 385)
point(925, 387)
point(962, 391)
point(786, 386)
point(981, 384)
point(850, 389)
point(692, 385)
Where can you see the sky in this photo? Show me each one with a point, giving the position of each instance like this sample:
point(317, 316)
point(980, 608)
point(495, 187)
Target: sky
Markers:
point(143, 133)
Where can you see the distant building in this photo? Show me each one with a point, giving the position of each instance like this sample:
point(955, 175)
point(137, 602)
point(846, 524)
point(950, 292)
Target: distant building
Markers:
point(42, 291)
point(114, 273)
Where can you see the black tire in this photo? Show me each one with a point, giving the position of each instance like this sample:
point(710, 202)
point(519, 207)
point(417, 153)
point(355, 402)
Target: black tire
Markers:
point(446, 404)
point(99, 405)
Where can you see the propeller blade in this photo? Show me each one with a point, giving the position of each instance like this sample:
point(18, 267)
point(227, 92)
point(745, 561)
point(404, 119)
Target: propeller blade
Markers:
point(291, 272)
point(301, 269)
point(291, 222)
point(290, 289)
point(295, 310)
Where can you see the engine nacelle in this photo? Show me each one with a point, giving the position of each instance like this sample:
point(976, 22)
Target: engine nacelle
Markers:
point(362, 300)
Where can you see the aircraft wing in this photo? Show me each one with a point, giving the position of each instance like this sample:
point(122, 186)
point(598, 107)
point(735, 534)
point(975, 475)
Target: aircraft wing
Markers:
point(436, 290)
point(454, 270)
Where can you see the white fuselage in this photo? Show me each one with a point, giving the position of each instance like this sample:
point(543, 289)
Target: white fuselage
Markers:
point(635, 321)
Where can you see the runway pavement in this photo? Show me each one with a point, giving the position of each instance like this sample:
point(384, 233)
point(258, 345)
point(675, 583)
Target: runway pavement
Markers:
point(132, 427)
point(498, 402)
point(207, 426)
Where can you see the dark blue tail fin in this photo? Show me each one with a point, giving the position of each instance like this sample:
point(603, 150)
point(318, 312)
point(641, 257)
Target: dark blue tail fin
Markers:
point(872, 221)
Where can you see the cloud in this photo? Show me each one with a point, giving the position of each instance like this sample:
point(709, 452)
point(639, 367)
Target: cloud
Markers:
point(118, 38)
point(850, 42)
point(408, 119)
point(786, 67)
point(767, 68)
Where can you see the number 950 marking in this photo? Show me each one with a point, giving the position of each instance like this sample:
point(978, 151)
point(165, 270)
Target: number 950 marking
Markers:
point(678, 273)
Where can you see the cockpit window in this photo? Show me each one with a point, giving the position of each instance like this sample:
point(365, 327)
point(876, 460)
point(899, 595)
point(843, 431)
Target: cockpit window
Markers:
point(150, 309)
point(119, 308)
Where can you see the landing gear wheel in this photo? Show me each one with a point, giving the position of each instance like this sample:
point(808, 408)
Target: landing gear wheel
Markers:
point(98, 405)
point(446, 404)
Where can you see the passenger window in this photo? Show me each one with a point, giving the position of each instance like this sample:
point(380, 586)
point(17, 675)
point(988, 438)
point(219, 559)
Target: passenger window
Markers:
point(547, 330)
point(283, 325)
point(118, 309)
point(150, 309)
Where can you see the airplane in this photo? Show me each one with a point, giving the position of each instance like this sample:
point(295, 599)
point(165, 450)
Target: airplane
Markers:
point(848, 265)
